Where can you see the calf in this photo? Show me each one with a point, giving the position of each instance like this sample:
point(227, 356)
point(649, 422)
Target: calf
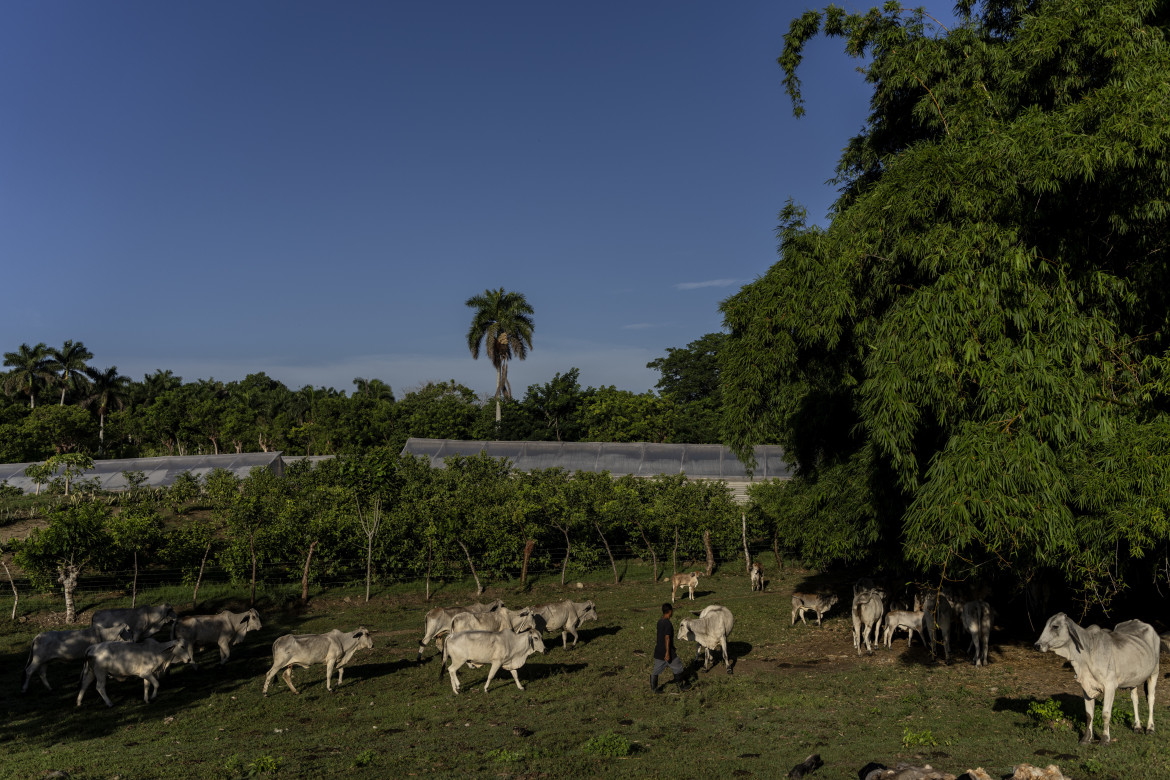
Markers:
point(143, 621)
point(689, 580)
point(564, 615)
point(867, 614)
point(68, 646)
point(438, 620)
point(911, 621)
point(222, 630)
point(505, 650)
point(334, 649)
point(709, 630)
point(123, 660)
point(976, 616)
point(811, 602)
point(757, 575)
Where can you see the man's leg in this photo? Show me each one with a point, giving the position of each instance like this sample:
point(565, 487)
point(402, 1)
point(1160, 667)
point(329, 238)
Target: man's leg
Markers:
point(659, 665)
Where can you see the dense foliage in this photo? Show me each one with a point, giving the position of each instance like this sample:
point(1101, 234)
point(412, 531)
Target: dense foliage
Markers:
point(970, 362)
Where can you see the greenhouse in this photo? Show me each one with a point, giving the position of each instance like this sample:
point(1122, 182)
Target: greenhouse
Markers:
point(159, 472)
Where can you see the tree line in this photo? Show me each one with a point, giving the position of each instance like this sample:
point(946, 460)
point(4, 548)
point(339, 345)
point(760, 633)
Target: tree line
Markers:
point(55, 402)
point(385, 517)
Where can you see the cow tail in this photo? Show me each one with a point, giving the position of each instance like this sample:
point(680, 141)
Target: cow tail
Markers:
point(443, 662)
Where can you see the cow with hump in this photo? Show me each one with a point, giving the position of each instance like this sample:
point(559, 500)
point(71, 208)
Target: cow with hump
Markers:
point(564, 616)
point(122, 660)
point(222, 631)
point(334, 649)
point(500, 619)
point(143, 621)
point(502, 650)
point(68, 646)
point(709, 630)
point(438, 621)
point(1104, 661)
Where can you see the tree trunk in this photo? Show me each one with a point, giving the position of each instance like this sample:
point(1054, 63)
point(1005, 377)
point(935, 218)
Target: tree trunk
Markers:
point(478, 587)
point(747, 556)
point(429, 560)
point(568, 546)
point(776, 550)
point(710, 554)
point(199, 579)
point(15, 593)
point(67, 575)
point(653, 556)
point(134, 585)
point(607, 552)
point(674, 555)
point(252, 551)
point(369, 563)
point(305, 574)
point(527, 554)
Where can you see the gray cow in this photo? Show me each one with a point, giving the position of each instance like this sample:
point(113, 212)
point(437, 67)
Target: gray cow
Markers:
point(502, 650)
point(811, 602)
point(222, 631)
point(123, 660)
point(334, 649)
point(709, 630)
point(438, 621)
point(976, 617)
point(143, 621)
point(1104, 661)
point(68, 646)
point(500, 619)
point(868, 608)
point(566, 616)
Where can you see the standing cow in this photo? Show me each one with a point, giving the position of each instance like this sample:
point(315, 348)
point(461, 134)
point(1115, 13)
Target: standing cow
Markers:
point(68, 646)
point(688, 580)
point(709, 630)
point(757, 575)
point(143, 621)
point(868, 608)
point(123, 660)
point(505, 650)
point(566, 616)
point(222, 630)
point(438, 621)
point(976, 617)
point(334, 649)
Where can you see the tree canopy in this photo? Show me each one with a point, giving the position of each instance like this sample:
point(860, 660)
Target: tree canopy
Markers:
point(975, 347)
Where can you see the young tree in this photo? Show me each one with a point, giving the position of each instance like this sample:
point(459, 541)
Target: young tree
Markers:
point(136, 529)
point(70, 464)
point(502, 323)
point(74, 540)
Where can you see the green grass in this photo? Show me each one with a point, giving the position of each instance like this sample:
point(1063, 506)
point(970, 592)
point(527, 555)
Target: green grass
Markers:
point(585, 712)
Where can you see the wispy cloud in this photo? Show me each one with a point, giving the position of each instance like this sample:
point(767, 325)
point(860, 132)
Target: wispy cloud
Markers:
point(642, 325)
point(708, 283)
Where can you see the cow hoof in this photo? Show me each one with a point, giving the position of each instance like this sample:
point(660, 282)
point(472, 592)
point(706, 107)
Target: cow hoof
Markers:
point(730, 671)
point(1137, 729)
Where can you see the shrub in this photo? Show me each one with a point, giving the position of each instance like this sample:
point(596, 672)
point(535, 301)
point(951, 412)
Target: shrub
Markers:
point(609, 745)
point(1050, 714)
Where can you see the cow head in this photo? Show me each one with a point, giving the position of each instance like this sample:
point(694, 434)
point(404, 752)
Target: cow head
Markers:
point(251, 620)
point(535, 643)
point(1057, 636)
point(831, 600)
point(168, 614)
point(589, 612)
point(685, 632)
point(180, 653)
point(364, 640)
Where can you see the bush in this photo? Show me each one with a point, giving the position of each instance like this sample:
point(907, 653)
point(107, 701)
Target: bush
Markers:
point(610, 745)
point(1049, 714)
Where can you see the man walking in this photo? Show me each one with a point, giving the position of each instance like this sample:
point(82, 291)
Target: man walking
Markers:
point(664, 654)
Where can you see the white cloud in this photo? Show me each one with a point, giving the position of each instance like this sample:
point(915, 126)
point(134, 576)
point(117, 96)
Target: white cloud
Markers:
point(708, 283)
point(642, 326)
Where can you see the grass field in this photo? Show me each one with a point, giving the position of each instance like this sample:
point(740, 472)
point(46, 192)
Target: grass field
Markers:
point(585, 712)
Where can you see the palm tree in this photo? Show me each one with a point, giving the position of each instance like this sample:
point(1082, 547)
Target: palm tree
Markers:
point(69, 363)
point(106, 389)
point(503, 322)
point(30, 372)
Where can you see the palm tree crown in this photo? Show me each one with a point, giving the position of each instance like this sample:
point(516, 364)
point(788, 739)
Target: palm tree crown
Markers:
point(31, 371)
point(503, 324)
point(106, 389)
point(69, 364)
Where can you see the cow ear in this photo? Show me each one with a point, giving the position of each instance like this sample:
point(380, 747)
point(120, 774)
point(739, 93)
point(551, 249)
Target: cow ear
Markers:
point(1075, 637)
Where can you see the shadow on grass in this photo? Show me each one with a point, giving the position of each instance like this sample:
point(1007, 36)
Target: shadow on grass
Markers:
point(589, 634)
point(541, 671)
point(1069, 704)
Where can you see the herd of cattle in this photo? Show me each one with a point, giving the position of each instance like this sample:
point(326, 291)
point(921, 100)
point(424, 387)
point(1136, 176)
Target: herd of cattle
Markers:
point(119, 642)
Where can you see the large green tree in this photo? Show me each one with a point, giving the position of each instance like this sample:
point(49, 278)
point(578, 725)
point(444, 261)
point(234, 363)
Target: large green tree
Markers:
point(976, 343)
point(31, 371)
point(502, 324)
point(69, 363)
point(106, 390)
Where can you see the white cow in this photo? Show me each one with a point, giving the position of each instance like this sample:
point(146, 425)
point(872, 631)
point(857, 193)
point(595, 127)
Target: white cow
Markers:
point(909, 620)
point(976, 617)
point(438, 620)
point(143, 621)
point(811, 602)
point(939, 616)
point(334, 649)
point(222, 630)
point(501, 619)
point(506, 650)
point(1104, 661)
point(867, 612)
point(567, 616)
point(709, 630)
point(757, 575)
point(688, 580)
point(68, 646)
point(122, 660)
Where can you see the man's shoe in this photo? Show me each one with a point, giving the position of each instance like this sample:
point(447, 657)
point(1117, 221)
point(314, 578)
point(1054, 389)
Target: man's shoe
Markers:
point(654, 684)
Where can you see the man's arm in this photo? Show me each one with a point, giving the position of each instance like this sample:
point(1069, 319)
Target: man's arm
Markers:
point(668, 647)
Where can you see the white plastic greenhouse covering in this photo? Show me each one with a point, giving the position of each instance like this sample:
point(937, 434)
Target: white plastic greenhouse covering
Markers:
point(696, 461)
point(160, 472)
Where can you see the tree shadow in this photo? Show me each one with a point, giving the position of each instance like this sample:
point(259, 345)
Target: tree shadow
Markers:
point(1069, 704)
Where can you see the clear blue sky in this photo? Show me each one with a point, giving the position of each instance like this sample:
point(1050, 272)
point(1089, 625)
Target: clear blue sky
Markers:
point(314, 189)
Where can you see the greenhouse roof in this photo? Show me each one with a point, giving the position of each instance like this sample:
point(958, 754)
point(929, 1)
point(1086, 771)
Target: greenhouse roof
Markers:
point(642, 459)
point(160, 472)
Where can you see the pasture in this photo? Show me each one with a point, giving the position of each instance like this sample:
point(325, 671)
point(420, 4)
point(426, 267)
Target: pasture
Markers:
point(586, 712)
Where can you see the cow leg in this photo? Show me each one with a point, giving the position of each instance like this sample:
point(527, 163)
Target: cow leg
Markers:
point(454, 679)
point(691, 588)
point(101, 688)
point(802, 620)
point(288, 679)
point(726, 655)
point(818, 617)
point(44, 674)
point(1151, 686)
point(565, 640)
point(340, 674)
point(673, 591)
point(86, 681)
point(793, 623)
point(573, 631)
point(329, 666)
point(1137, 718)
point(516, 677)
point(1107, 713)
point(492, 673)
point(268, 677)
point(225, 651)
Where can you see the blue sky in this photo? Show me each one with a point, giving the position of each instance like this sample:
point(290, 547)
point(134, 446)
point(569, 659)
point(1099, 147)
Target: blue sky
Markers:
point(314, 189)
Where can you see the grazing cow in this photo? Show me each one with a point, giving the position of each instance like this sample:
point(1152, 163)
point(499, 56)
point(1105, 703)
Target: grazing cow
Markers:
point(123, 660)
point(911, 621)
point(976, 617)
point(867, 611)
point(710, 630)
point(689, 580)
point(503, 649)
point(438, 620)
point(811, 602)
point(567, 616)
point(757, 574)
point(501, 619)
point(334, 649)
point(939, 616)
point(222, 630)
point(143, 621)
point(1104, 661)
point(68, 646)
